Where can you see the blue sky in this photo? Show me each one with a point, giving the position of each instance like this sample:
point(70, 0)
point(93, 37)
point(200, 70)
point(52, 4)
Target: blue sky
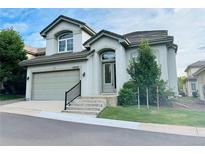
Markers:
point(186, 25)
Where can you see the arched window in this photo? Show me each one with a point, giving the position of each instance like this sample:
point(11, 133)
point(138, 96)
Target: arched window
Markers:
point(65, 42)
point(108, 56)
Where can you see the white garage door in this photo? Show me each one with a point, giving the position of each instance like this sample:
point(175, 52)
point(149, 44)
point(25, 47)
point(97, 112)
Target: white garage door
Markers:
point(52, 85)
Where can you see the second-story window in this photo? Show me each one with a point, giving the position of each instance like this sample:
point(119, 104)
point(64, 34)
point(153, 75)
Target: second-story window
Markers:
point(65, 42)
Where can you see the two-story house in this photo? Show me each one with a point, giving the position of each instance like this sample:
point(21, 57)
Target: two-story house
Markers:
point(191, 81)
point(91, 63)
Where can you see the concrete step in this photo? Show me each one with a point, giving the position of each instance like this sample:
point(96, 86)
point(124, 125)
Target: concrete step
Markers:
point(85, 104)
point(90, 106)
point(82, 112)
point(90, 101)
point(84, 108)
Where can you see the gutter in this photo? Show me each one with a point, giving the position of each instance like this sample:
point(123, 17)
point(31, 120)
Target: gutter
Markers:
point(51, 62)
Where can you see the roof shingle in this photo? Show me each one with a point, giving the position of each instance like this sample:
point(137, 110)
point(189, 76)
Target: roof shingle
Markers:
point(150, 36)
point(57, 58)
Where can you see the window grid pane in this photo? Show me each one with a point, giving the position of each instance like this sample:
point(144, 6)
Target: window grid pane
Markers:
point(70, 45)
point(61, 46)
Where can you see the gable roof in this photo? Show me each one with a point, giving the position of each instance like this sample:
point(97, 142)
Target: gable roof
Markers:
point(133, 39)
point(70, 20)
point(128, 39)
point(199, 63)
point(57, 58)
point(103, 32)
point(199, 71)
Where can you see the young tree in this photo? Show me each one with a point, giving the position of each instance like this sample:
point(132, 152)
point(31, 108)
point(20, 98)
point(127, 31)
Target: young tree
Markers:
point(11, 53)
point(181, 81)
point(145, 72)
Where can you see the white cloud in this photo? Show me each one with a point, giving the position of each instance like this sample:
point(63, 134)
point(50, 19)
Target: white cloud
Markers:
point(35, 40)
point(20, 27)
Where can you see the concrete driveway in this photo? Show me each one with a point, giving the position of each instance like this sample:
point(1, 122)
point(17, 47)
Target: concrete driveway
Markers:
point(33, 107)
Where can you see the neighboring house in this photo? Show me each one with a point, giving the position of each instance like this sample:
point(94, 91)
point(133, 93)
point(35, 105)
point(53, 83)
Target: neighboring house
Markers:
point(191, 81)
point(32, 52)
point(75, 52)
point(200, 76)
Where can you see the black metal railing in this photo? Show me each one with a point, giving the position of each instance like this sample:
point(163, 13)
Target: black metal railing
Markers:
point(72, 94)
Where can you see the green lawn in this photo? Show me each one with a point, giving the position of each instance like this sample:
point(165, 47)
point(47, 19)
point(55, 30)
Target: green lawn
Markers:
point(9, 97)
point(164, 116)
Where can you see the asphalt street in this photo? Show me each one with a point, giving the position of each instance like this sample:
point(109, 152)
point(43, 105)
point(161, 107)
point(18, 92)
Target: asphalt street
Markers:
point(26, 130)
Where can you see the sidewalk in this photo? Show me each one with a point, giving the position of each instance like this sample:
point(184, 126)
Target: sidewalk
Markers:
point(170, 129)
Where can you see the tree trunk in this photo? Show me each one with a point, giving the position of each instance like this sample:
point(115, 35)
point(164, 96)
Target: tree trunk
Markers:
point(147, 98)
point(157, 97)
point(138, 97)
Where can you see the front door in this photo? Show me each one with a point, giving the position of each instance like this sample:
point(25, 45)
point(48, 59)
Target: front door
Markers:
point(109, 78)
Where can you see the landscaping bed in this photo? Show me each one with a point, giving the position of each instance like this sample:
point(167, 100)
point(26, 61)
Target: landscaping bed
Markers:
point(166, 115)
point(9, 97)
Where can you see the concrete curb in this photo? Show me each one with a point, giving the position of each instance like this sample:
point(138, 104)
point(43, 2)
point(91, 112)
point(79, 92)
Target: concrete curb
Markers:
point(88, 120)
point(151, 127)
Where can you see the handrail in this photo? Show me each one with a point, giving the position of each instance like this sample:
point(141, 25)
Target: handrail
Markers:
point(72, 94)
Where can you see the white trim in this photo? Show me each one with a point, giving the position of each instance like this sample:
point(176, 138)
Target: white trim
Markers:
point(65, 43)
point(69, 21)
point(120, 40)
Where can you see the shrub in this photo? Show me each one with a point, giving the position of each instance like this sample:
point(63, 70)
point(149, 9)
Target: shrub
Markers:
point(127, 95)
point(130, 85)
point(194, 94)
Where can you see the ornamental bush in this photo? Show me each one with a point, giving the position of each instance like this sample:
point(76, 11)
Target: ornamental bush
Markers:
point(127, 95)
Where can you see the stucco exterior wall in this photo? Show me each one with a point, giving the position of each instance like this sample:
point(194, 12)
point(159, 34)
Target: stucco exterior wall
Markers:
point(79, 37)
point(82, 66)
point(201, 83)
point(172, 70)
point(91, 70)
point(121, 74)
point(192, 70)
point(167, 62)
point(85, 37)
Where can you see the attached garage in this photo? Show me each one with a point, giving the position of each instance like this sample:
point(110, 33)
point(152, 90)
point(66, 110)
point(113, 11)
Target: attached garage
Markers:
point(52, 85)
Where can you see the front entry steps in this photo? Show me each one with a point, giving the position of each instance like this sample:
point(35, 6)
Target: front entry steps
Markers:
point(87, 106)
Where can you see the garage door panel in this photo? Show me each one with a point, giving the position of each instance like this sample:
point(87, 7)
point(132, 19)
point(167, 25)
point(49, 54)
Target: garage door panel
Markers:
point(52, 85)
